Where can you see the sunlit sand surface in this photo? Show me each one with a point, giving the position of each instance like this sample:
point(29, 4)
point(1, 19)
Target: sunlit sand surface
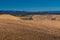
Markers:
point(14, 28)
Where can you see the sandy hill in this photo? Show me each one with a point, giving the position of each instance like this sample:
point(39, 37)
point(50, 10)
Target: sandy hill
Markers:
point(7, 16)
point(13, 28)
point(46, 17)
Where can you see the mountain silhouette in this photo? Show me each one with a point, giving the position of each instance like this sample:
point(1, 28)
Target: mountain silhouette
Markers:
point(28, 13)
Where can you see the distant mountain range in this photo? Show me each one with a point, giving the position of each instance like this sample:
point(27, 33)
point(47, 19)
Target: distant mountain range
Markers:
point(28, 13)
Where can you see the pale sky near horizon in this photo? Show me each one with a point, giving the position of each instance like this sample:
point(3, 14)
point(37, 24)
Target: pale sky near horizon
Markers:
point(30, 5)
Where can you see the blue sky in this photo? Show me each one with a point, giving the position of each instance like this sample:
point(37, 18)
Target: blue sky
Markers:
point(30, 5)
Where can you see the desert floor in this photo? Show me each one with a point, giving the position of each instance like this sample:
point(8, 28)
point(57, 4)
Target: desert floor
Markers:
point(14, 28)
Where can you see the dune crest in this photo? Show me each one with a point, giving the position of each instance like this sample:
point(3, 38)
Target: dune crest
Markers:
point(7, 16)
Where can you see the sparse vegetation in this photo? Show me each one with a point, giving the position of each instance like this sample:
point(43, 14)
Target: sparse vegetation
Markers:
point(53, 18)
point(14, 28)
point(26, 17)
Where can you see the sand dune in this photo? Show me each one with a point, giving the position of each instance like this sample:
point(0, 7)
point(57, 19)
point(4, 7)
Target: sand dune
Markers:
point(46, 17)
point(7, 16)
point(13, 28)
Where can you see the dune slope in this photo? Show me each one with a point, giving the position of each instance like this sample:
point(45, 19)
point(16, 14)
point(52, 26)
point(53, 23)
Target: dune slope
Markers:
point(13, 28)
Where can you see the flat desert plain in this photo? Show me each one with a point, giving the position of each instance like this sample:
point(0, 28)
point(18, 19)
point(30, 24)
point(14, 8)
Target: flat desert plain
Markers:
point(42, 27)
